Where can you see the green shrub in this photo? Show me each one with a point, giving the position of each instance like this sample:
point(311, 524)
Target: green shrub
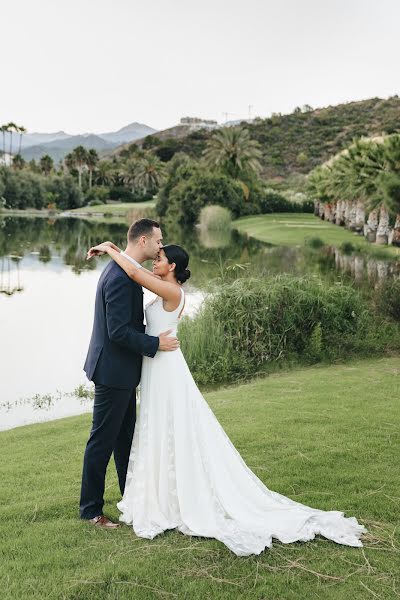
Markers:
point(314, 346)
point(274, 202)
point(121, 193)
point(97, 195)
point(347, 247)
point(23, 189)
point(252, 324)
point(315, 242)
point(65, 191)
point(307, 206)
point(387, 298)
point(215, 218)
point(188, 197)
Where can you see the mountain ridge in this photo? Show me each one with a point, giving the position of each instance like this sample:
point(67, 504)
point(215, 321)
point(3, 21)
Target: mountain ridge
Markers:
point(58, 144)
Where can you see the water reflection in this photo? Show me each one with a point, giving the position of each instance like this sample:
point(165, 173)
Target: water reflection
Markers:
point(48, 288)
point(10, 278)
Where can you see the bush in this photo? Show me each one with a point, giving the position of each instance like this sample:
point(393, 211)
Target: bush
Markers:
point(215, 218)
point(97, 195)
point(315, 242)
point(273, 202)
point(251, 325)
point(347, 248)
point(181, 168)
point(187, 198)
point(23, 189)
point(387, 298)
point(2, 187)
point(65, 191)
point(121, 193)
point(307, 206)
point(288, 201)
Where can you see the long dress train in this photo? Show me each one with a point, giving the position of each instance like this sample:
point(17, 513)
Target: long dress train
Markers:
point(185, 473)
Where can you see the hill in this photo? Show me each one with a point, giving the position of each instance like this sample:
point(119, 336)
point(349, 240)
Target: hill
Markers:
point(57, 145)
point(298, 142)
point(129, 133)
point(155, 139)
point(57, 149)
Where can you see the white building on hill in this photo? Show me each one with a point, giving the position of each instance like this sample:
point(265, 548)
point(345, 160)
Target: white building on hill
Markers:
point(195, 123)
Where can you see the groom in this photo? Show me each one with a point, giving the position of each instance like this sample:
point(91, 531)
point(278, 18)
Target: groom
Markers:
point(114, 363)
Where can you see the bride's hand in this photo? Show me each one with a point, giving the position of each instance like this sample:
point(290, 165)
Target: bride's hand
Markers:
point(101, 249)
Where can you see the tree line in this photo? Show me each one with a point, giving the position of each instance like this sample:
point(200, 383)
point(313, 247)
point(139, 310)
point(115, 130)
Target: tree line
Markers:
point(360, 189)
point(226, 173)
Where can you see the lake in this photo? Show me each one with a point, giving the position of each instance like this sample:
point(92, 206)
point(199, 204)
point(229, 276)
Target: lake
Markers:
point(48, 289)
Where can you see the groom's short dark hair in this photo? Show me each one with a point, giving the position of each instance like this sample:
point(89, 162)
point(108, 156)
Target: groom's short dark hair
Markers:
point(141, 227)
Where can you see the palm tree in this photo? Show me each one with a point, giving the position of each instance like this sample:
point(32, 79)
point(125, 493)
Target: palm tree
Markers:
point(104, 174)
point(21, 130)
point(46, 164)
point(319, 187)
point(91, 162)
point(11, 127)
point(4, 130)
point(18, 162)
point(77, 159)
point(391, 185)
point(129, 173)
point(233, 151)
point(390, 188)
point(371, 226)
point(150, 173)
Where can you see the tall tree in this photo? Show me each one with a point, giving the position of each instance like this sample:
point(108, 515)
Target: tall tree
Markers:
point(150, 173)
point(4, 130)
point(367, 178)
point(46, 164)
point(77, 159)
point(129, 173)
point(91, 162)
point(18, 162)
point(233, 152)
point(104, 173)
point(21, 130)
point(11, 127)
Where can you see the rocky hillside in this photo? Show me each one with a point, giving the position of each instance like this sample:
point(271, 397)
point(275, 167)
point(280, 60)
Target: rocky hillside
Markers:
point(297, 142)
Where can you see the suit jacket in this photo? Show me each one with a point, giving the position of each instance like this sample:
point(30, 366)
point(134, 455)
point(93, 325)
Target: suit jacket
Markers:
point(118, 340)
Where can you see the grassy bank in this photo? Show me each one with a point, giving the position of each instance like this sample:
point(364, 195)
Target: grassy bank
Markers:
point(327, 437)
point(290, 229)
point(121, 209)
point(118, 212)
point(262, 324)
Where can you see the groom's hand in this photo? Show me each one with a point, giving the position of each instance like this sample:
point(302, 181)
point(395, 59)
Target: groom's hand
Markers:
point(167, 343)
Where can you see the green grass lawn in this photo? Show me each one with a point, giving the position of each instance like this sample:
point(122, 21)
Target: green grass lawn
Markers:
point(114, 213)
point(325, 436)
point(291, 229)
point(120, 209)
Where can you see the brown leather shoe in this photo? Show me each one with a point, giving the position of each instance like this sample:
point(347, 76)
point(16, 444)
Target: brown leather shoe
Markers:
point(103, 521)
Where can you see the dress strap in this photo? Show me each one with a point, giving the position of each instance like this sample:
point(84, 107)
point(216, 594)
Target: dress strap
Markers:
point(181, 304)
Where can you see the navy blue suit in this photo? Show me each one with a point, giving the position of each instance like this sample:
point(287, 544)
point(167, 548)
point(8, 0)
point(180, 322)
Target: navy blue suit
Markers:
point(113, 363)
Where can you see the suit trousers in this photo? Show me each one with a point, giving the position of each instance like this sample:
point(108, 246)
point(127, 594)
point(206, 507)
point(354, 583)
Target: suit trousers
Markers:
point(114, 416)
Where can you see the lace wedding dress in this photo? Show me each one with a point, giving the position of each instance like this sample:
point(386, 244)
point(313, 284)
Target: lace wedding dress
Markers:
point(185, 473)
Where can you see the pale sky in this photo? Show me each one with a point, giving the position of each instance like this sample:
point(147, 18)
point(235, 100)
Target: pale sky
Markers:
point(97, 65)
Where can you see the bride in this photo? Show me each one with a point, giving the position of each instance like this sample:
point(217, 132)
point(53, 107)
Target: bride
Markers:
point(184, 472)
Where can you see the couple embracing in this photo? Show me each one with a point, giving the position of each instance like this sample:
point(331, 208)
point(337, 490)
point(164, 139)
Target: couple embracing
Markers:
point(177, 468)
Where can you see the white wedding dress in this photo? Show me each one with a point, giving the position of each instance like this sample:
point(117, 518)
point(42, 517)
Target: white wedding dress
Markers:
point(185, 473)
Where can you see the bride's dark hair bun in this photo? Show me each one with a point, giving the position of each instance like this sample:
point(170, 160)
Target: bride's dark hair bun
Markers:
point(183, 276)
point(179, 256)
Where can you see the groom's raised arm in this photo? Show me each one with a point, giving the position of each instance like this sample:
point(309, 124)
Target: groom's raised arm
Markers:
point(118, 295)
